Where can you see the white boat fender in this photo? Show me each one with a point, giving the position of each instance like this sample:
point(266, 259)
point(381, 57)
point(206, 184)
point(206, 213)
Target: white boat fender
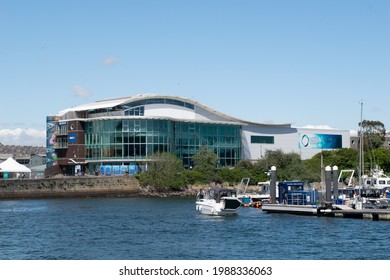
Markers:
point(326, 210)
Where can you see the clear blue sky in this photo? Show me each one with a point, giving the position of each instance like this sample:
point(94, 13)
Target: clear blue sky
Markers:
point(275, 61)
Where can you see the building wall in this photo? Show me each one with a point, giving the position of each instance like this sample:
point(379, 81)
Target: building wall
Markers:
point(169, 111)
point(204, 115)
point(182, 113)
point(285, 139)
point(37, 160)
point(354, 142)
point(289, 140)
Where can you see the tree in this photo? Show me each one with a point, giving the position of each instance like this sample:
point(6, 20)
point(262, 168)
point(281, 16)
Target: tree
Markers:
point(243, 169)
point(382, 156)
point(165, 172)
point(205, 162)
point(374, 134)
point(289, 166)
point(345, 158)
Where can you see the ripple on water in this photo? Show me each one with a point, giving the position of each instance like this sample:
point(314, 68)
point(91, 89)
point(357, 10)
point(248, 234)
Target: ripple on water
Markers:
point(170, 228)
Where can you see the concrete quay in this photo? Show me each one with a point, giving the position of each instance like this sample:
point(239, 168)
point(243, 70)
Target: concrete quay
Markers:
point(338, 211)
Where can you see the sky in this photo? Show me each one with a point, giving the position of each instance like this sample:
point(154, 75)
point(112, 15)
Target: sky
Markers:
point(304, 62)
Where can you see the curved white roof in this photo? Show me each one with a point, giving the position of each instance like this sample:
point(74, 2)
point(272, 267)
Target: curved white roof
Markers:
point(110, 103)
point(96, 105)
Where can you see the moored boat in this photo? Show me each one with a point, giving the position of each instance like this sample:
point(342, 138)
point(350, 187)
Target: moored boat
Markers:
point(254, 199)
point(218, 201)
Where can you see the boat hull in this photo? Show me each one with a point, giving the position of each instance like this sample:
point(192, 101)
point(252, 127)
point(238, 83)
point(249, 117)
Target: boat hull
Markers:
point(227, 206)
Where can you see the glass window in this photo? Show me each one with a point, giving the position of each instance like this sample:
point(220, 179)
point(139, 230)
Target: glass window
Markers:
point(118, 151)
point(135, 111)
point(142, 124)
point(137, 125)
point(118, 125)
point(125, 125)
point(262, 139)
point(159, 101)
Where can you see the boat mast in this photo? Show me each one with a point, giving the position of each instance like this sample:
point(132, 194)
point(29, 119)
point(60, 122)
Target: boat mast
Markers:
point(361, 153)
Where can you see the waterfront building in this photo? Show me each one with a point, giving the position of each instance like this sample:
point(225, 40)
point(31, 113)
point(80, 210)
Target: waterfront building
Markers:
point(117, 136)
point(4, 157)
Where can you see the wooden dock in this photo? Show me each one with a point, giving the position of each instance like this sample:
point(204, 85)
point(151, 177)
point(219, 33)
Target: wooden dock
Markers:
point(338, 211)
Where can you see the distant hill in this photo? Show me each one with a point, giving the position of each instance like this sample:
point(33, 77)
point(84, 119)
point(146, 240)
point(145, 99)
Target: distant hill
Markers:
point(21, 150)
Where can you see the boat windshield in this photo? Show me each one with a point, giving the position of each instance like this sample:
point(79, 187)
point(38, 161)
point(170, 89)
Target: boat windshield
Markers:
point(229, 193)
point(217, 194)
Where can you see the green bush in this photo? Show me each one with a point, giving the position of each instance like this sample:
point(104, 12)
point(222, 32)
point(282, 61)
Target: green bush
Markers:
point(165, 173)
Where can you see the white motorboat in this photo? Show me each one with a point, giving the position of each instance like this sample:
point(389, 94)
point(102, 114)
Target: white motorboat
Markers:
point(217, 202)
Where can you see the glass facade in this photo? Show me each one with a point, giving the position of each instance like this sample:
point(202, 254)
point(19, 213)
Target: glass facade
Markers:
point(134, 140)
point(223, 140)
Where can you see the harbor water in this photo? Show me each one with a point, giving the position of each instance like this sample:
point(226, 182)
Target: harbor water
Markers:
point(170, 228)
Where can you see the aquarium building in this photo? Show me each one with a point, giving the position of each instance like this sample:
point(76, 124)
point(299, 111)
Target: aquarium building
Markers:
point(116, 136)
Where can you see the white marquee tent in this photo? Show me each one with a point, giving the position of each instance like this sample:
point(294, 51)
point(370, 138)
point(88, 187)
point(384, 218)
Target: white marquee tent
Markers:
point(12, 166)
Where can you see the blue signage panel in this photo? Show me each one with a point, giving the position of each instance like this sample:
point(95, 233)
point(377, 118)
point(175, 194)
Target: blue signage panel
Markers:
point(132, 169)
point(124, 169)
point(72, 138)
point(101, 169)
point(116, 169)
point(320, 141)
point(107, 170)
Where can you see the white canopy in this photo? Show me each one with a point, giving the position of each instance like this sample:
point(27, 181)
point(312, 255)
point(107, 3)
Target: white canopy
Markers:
point(11, 165)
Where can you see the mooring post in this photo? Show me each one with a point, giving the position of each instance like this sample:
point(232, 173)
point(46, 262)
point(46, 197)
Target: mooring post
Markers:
point(328, 184)
point(272, 186)
point(335, 183)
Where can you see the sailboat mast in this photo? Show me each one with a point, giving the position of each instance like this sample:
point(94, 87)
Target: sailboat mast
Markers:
point(361, 152)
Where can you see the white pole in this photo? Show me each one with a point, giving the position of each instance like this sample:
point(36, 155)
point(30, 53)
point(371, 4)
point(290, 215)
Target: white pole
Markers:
point(361, 146)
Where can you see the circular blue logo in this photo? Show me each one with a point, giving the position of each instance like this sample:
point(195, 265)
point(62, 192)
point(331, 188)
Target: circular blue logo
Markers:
point(305, 140)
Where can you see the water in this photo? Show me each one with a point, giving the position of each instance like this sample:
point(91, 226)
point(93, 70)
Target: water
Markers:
point(170, 228)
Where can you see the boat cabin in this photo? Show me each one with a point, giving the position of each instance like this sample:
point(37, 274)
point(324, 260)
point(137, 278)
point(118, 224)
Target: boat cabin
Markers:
point(217, 193)
point(293, 193)
point(379, 183)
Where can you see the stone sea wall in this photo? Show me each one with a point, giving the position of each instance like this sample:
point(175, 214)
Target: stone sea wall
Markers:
point(88, 186)
point(70, 187)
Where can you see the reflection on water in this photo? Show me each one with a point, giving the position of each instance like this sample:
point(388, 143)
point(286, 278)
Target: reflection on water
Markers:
point(16, 206)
